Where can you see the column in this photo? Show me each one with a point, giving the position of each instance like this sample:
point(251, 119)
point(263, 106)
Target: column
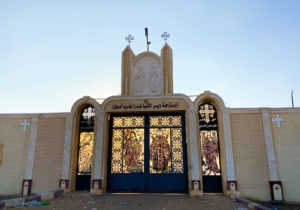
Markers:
point(275, 183)
point(231, 181)
point(192, 143)
point(97, 170)
point(27, 181)
point(64, 181)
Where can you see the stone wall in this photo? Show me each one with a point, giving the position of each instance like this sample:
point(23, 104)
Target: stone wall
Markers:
point(250, 157)
point(48, 156)
point(14, 157)
point(287, 151)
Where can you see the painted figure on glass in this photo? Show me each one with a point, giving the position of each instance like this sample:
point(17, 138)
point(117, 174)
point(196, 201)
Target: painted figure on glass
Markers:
point(132, 152)
point(210, 152)
point(160, 154)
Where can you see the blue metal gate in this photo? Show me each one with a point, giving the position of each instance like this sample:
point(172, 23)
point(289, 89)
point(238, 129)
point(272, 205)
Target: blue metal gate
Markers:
point(147, 153)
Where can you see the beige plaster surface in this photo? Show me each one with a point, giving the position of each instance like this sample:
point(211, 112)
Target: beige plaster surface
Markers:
point(48, 156)
point(137, 104)
point(15, 146)
point(250, 157)
point(287, 151)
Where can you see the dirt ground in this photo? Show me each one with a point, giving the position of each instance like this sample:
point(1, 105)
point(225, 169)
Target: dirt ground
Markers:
point(83, 200)
point(281, 206)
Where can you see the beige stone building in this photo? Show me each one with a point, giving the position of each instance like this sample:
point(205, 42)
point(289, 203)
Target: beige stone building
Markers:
point(149, 139)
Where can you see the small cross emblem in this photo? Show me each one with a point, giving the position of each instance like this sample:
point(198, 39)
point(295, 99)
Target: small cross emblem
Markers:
point(88, 114)
point(25, 124)
point(129, 38)
point(165, 36)
point(278, 120)
point(207, 112)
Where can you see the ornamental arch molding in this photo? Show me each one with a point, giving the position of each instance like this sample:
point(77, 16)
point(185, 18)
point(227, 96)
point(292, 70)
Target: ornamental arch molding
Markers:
point(218, 102)
point(208, 96)
point(145, 54)
point(84, 101)
point(74, 140)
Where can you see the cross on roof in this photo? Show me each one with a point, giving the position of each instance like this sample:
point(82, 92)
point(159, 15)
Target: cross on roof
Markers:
point(165, 36)
point(206, 111)
point(25, 124)
point(278, 120)
point(129, 38)
point(88, 114)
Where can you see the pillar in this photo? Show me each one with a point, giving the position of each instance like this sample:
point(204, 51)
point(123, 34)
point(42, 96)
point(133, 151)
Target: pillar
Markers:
point(231, 181)
point(275, 183)
point(27, 181)
point(97, 167)
point(64, 181)
point(194, 154)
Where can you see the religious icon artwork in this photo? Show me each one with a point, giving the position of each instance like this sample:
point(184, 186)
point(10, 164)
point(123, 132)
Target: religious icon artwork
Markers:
point(209, 139)
point(166, 146)
point(133, 152)
point(210, 153)
point(128, 145)
point(160, 150)
point(85, 153)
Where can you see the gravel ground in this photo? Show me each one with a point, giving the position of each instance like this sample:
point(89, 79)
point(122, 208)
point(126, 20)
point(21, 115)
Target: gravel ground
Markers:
point(83, 200)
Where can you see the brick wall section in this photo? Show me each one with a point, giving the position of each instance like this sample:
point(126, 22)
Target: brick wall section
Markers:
point(48, 154)
point(250, 157)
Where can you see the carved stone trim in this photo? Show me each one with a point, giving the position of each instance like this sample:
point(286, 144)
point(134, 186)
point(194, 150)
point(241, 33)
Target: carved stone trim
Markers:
point(67, 149)
point(228, 146)
point(64, 183)
point(26, 186)
point(97, 184)
point(192, 142)
point(146, 54)
point(276, 190)
point(99, 145)
point(269, 146)
point(232, 185)
point(196, 185)
point(31, 148)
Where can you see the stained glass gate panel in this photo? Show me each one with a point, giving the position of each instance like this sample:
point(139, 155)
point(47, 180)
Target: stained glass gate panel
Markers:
point(85, 148)
point(211, 169)
point(147, 153)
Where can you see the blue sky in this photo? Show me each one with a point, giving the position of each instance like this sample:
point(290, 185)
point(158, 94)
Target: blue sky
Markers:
point(53, 52)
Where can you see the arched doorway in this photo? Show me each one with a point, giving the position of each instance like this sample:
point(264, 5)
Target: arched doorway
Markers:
point(210, 149)
point(85, 148)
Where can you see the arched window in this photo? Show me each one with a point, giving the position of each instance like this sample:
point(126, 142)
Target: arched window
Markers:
point(85, 148)
point(210, 155)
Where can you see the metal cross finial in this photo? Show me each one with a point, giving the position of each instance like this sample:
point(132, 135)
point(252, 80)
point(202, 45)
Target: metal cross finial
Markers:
point(129, 38)
point(165, 36)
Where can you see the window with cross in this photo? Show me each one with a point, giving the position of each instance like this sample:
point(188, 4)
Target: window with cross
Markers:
point(208, 125)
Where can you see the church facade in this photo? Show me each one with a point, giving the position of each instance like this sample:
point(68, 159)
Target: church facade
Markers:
point(149, 139)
